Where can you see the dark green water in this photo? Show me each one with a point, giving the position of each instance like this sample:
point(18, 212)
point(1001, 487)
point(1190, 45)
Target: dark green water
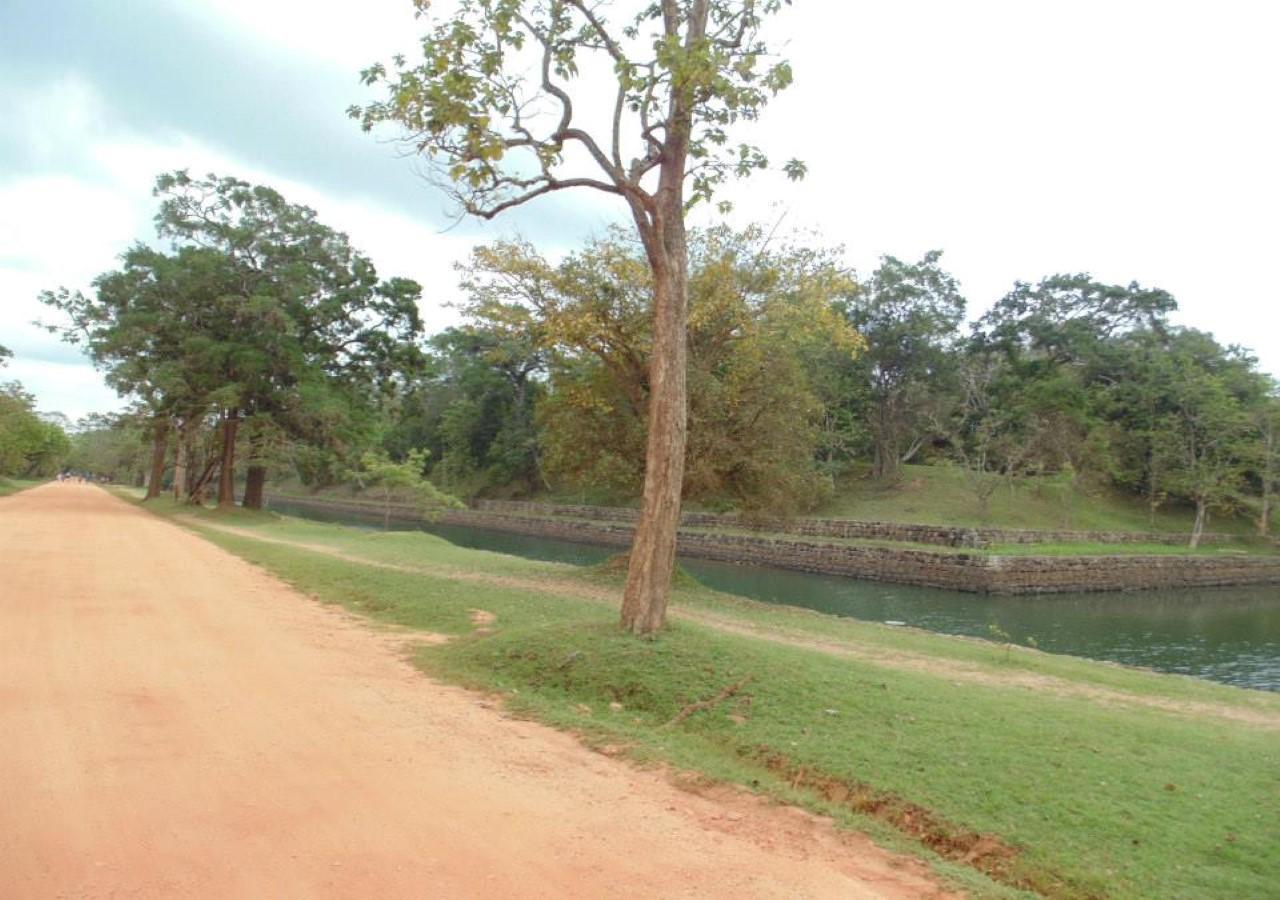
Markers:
point(1230, 635)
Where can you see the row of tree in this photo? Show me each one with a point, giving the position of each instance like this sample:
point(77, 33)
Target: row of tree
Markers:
point(757, 369)
point(31, 446)
point(258, 326)
point(262, 324)
point(798, 371)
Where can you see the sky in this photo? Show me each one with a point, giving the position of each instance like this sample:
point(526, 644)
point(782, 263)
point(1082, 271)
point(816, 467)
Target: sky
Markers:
point(1133, 140)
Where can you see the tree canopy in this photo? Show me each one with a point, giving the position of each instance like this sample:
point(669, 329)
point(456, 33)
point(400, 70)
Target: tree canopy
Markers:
point(504, 107)
point(259, 314)
point(30, 446)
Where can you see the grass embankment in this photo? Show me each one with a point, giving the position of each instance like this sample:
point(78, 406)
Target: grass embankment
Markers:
point(939, 495)
point(1246, 544)
point(1242, 546)
point(1009, 771)
point(13, 485)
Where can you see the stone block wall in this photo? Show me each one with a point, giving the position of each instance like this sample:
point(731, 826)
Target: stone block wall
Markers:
point(974, 572)
point(938, 535)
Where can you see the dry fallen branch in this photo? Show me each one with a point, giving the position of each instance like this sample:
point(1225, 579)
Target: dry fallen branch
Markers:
point(701, 705)
point(570, 659)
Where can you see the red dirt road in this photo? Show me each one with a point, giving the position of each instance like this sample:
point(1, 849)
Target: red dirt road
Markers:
point(176, 723)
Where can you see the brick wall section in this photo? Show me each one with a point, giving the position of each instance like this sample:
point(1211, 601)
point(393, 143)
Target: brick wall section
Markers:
point(972, 572)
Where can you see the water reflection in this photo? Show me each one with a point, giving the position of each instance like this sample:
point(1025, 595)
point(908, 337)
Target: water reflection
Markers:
point(1230, 635)
point(1224, 634)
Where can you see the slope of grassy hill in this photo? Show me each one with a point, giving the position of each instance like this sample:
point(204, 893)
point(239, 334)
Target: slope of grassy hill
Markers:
point(939, 495)
point(13, 485)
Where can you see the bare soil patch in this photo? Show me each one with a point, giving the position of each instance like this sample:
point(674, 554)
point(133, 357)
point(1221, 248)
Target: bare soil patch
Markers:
point(178, 724)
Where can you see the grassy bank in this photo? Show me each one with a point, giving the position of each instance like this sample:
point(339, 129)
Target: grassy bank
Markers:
point(940, 495)
point(1247, 545)
point(1010, 771)
point(13, 485)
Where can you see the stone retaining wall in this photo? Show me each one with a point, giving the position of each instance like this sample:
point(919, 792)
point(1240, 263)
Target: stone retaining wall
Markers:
point(939, 535)
point(974, 572)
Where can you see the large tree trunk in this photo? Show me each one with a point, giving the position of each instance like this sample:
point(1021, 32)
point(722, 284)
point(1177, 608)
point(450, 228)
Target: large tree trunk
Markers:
point(661, 226)
point(227, 476)
point(255, 487)
point(1153, 494)
point(653, 550)
point(1268, 482)
point(887, 458)
point(256, 475)
point(196, 494)
point(159, 451)
point(181, 459)
point(1197, 530)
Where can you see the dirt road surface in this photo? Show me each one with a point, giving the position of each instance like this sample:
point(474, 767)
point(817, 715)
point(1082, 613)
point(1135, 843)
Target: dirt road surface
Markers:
point(176, 723)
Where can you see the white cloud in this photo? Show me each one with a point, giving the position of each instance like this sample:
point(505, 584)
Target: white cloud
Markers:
point(62, 230)
point(1133, 140)
point(335, 32)
point(43, 117)
point(72, 389)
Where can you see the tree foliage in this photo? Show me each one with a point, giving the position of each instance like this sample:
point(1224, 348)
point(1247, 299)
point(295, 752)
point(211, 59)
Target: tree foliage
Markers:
point(260, 315)
point(30, 446)
point(761, 321)
point(492, 105)
point(492, 101)
point(399, 480)
point(909, 314)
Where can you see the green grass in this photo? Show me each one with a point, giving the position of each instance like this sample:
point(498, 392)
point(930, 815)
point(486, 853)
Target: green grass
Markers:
point(1240, 547)
point(1097, 798)
point(938, 495)
point(13, 485)
point(1245, 544)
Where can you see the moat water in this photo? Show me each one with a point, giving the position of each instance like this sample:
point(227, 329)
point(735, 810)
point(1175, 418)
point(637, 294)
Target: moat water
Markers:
point(1231, 635)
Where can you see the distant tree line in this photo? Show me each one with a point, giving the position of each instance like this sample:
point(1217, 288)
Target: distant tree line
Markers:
point(260, 341)
point(259, 337)
point(799, 372)
point(31, 445)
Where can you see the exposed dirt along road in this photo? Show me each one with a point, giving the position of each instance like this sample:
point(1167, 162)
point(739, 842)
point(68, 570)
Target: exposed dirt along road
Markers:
point(174, 722)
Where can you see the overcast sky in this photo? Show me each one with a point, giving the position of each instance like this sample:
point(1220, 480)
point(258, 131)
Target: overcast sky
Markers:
point(1133, 140)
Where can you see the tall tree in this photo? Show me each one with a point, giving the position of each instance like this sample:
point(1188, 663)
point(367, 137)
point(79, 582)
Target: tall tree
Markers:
point(1066, 318)
point(1062, 338)
point(1266, 418)
point(908, 313)
point(29, 444)
point(486, 431)
point(1181, 405)
point(490, 103)
point(333, 327)
point(763, 322)
point(986, 435)
point(155, 327)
